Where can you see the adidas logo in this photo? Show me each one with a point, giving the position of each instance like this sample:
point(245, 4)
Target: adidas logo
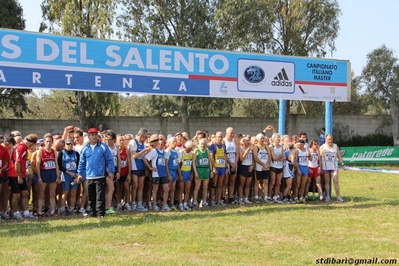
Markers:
point(282, 79)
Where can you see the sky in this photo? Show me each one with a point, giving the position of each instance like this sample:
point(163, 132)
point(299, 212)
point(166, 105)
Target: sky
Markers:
point(365, 26)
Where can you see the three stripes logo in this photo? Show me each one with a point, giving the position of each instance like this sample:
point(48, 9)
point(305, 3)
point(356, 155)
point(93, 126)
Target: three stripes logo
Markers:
point(282, 79)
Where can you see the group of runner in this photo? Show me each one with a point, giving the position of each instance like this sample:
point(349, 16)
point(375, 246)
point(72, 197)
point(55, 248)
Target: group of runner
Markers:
point(156, 172)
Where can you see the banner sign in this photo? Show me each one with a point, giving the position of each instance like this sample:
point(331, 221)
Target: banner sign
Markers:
point(45, 61)
point(370, 154)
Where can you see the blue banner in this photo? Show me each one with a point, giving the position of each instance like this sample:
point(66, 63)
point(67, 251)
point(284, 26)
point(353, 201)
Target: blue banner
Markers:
point(35, 60)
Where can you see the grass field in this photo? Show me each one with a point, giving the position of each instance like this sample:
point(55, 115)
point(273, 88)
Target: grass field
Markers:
point(366, 226)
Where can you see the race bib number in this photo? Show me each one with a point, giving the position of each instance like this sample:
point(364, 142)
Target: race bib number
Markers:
point(263, 156)
point(123, 163)
point(278, 164)
point(203, 161)
point(187, 163)
point(231, 156)
point(115, 161)
point(221, 161)
point(161, 161)
point(175, 162)
point(49, 165)
point(315, 157)
point(70, 166)
point(249, 156)
point(302, 159)
point(330, 158)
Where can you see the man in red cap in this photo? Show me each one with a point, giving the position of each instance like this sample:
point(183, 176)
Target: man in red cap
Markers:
point(95, 160)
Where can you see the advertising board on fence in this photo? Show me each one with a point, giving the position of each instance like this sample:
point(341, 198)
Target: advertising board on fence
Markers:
point(370, 154)
point(46, 61)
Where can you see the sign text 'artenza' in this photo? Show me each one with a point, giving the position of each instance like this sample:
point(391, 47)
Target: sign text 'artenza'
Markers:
point(33, 60)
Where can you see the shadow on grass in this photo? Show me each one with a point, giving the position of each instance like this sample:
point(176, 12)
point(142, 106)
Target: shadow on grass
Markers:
point(45, 226)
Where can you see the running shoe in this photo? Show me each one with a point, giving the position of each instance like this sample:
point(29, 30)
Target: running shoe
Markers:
point(110, 211)
point(328, 199)
point(17, 216)
point(205, 204)
point(339, 199)
point(119, 207)
point(141, 208)
point(165, 208)
point(186, 208)
point(221, 203)
point(173, 207)
point(286, 200)
point(181, 207)
point(246, 201)
point(155, 208)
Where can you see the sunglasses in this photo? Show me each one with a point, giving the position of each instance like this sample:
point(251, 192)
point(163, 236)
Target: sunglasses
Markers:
point(68, 143)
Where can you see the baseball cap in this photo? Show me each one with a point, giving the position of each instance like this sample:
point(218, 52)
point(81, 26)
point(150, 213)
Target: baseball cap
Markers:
point(92, 130)
point(40, 141)
point(69, 141)
point(178, 133)
point(301, 141)
point(170, 136)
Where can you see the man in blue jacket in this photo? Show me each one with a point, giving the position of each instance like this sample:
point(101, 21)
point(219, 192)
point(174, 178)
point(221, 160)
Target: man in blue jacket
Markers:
point(96, 160)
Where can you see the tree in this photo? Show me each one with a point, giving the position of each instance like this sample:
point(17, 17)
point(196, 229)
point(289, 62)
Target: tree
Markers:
point(381, 79)
point(11, 16)
point(90, 19)
point(185, 23)
point(255, 108)
point(284, 27)
point(56, 104)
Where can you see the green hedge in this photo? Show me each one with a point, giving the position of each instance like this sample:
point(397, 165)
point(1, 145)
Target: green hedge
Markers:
point(376, 139)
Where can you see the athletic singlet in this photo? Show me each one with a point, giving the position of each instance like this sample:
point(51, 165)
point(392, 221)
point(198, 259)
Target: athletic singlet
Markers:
point(303, 157)
point(248, 160)
point(278, 151)
point(315, 159)
point(263, 156)
point(173, 161)
point(160, 163)
point(231, 150)
point(179, 147)
point(219, 156)
point(114, 152)
point(47, 160)
point(287, 170)
point(202, 160)
point(138, 164)
point(186, 161)
point(329, 160)
point(69, 163)
point(124, 166)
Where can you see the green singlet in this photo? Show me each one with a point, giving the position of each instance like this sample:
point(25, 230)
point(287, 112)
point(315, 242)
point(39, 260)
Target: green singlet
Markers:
point(202, 163)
